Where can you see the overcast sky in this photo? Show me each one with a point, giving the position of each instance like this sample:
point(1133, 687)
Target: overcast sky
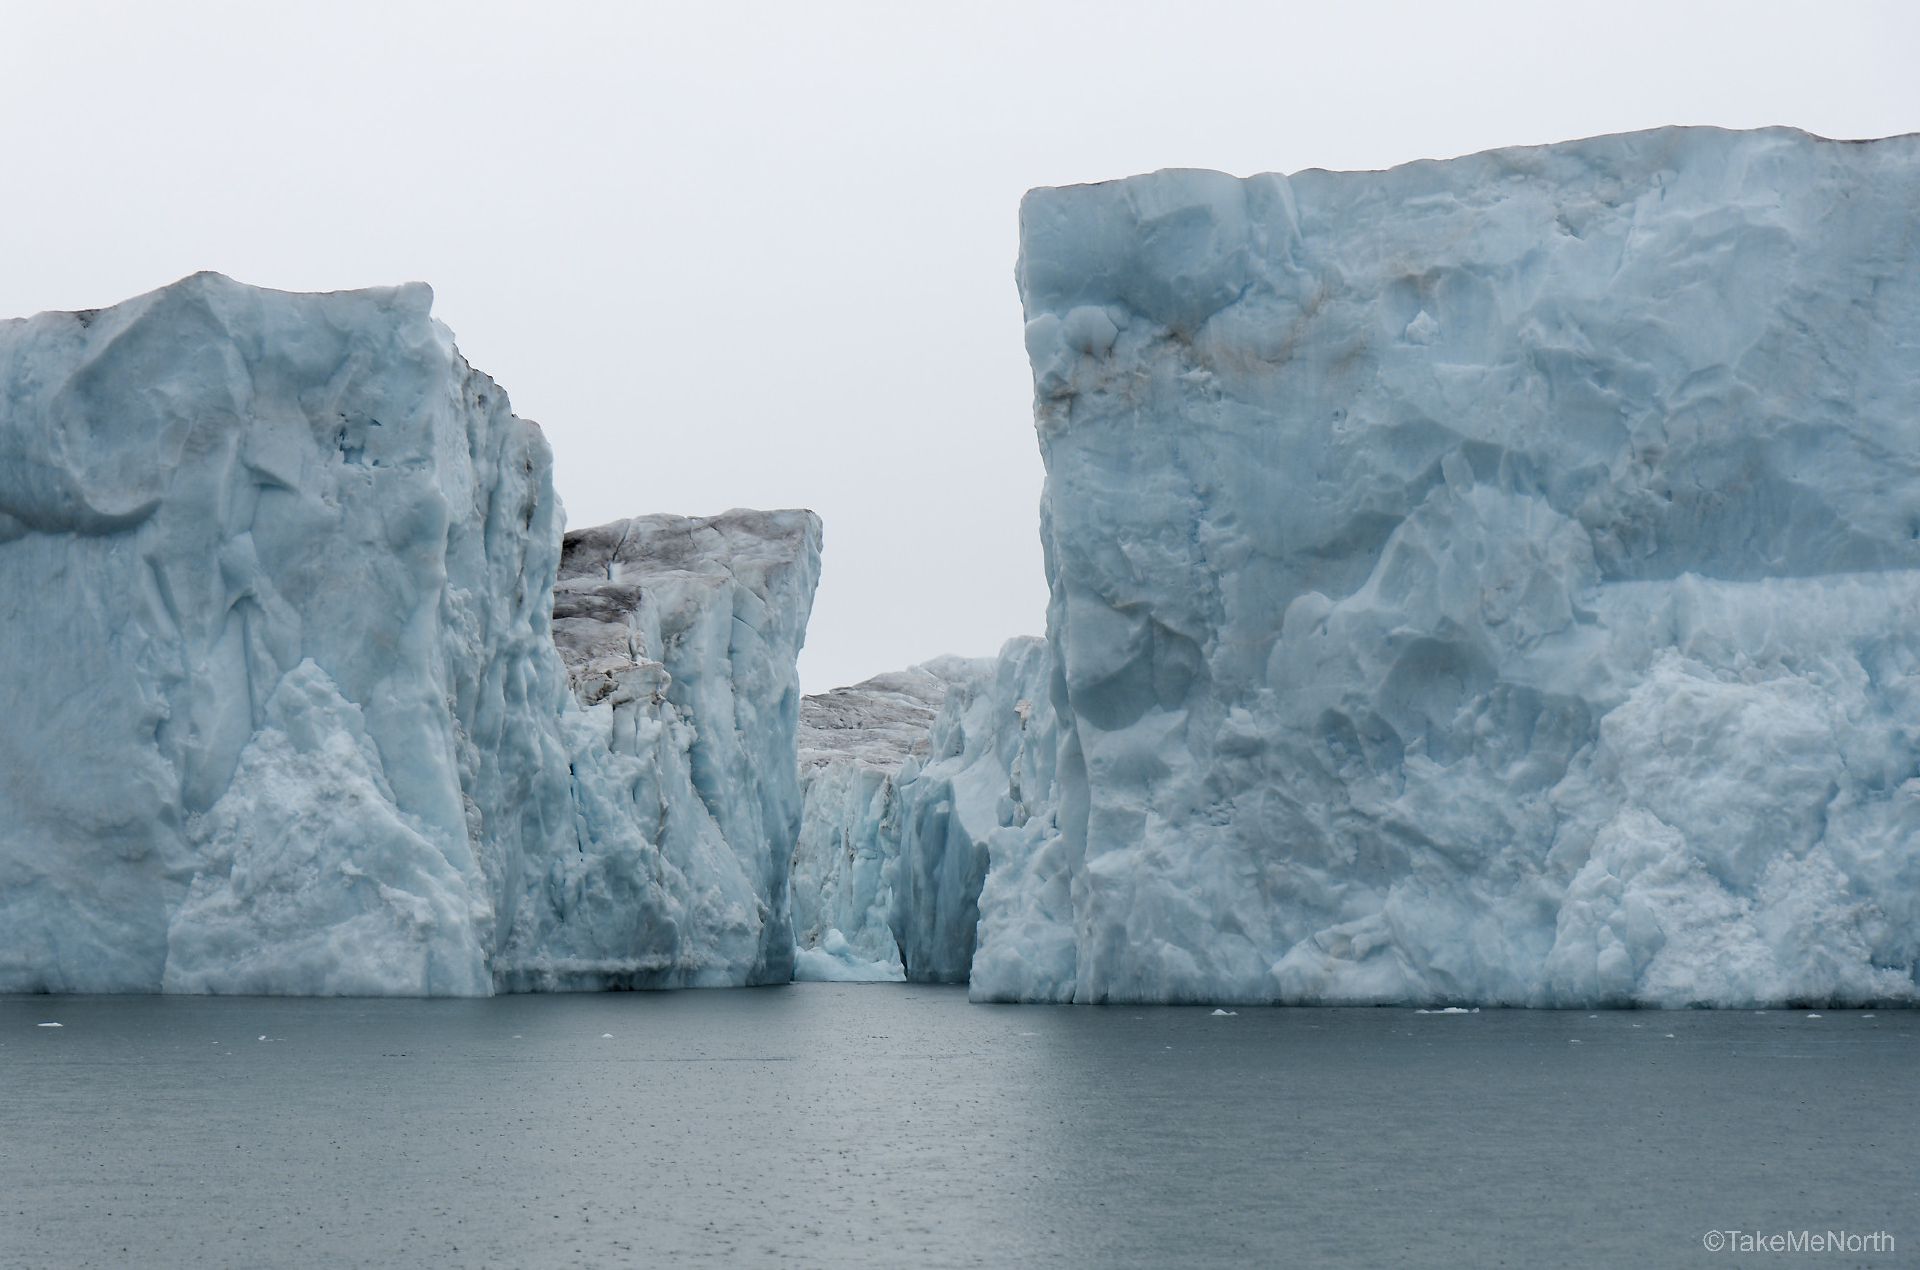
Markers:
point(763, 256)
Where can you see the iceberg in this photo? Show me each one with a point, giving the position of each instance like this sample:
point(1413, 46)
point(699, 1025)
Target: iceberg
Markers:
point(1490, 581)
point(285, 712)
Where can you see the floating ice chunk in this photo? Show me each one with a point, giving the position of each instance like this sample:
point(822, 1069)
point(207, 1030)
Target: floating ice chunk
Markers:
point(1225, 1014)
point(606, 1036)
point(1813, 1016)
point(54, 1025)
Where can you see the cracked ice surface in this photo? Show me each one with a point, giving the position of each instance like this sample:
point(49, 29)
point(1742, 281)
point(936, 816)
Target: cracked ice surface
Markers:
point(1493, 580)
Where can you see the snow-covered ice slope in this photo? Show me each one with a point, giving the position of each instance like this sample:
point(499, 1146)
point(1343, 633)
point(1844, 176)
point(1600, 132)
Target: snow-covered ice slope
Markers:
point(1492, 580)
point(283, 711)
point(680, 637)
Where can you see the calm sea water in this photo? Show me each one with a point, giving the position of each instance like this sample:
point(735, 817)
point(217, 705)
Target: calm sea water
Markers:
point(888, 1125)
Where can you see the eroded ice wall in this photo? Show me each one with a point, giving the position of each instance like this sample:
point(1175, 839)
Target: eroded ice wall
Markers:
point(907, 805)
point(854, 744)
point(1489, 580)
point(282, 708)
point(976, 782)
point(680, 637)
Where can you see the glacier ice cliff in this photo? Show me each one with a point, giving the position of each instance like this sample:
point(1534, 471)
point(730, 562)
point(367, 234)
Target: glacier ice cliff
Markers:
point(680, 637)
point(1493, 580)
point(914, 782)
point(972, 798)
point(284, 711)
point(854, 743)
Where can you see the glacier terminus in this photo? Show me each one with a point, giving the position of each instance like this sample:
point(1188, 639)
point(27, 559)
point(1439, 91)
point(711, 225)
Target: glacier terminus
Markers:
point(1490, 581)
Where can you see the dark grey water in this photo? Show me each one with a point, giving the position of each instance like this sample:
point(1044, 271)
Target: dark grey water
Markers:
point(899, 1126)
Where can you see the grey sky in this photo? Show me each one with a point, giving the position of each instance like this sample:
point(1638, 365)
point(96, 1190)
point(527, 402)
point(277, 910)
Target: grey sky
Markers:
point(763, 256)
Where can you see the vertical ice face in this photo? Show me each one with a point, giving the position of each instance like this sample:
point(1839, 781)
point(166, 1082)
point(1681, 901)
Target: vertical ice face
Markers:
point(916, 782)
point(680, 637)
point(283, 711)
point(855, 743)
point(1491, 580)
point(274, 571)
point(955, 804)
point(1024, 948)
